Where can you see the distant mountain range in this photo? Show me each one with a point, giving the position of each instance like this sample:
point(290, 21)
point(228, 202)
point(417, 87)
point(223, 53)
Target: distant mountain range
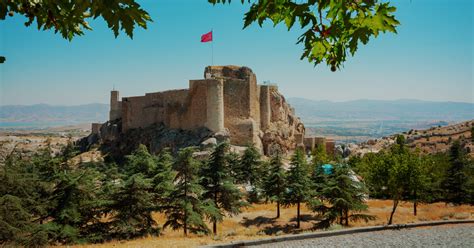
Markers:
point(366, 110)
point(358, 120)
point(43, 115)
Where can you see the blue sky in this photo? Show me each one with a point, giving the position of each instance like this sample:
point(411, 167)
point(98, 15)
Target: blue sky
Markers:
point(431, 57)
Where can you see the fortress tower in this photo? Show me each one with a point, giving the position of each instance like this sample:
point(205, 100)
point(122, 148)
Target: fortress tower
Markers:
point(115, 106)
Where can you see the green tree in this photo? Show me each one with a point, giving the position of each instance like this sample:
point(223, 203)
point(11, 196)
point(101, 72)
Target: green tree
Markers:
point(274, 182)
point(250, 172)
point(250, 165)
point(132, 209)
point(162, 181)
point(389, 173)
point(70, 18)
point(399, 172)
point(298, 184)
point(15, 220)
point(73, 202)
point(319, 154)
point(333, 29)
point(456, 179)
point(233, 159)
point(185, 208)
point(419, 179)
point(338, 196)
point(375, 171)
point(219, 187)
point(140, 161)
point(20, 204)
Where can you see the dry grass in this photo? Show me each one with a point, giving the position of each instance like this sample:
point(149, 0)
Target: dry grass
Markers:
point(258, 220)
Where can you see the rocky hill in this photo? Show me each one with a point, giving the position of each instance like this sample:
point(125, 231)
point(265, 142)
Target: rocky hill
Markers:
point(433, 140)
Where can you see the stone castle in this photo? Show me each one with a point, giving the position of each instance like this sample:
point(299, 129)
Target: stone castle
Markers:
point(228, 102)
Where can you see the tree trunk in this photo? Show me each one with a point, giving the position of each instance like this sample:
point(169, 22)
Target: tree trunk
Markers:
point(395, 204)
point(214, 223)
point(414, 204)
point(298, 215)
point(341, 217)
point(185, 227)
point(346, 217)
point(278, 209)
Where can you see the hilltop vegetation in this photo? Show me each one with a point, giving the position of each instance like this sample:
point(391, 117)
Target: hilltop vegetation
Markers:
point(56, 199)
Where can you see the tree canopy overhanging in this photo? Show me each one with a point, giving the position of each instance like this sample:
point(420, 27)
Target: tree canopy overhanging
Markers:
point(332, 29)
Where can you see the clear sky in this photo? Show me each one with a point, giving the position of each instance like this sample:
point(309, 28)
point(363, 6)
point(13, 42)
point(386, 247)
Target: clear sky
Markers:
point(431, 57)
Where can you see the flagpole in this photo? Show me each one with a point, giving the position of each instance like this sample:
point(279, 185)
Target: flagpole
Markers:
point(212, 48)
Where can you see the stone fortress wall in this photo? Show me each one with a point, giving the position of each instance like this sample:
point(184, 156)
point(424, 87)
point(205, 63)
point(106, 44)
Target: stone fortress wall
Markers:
point(311, 143)
point(228, 100)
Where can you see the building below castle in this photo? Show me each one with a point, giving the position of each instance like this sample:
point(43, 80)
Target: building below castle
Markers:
point(228, 102)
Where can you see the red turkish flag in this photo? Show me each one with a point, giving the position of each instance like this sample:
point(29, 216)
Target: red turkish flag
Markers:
point(206, 37)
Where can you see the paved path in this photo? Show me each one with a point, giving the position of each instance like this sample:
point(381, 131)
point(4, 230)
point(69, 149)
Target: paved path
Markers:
point(461, 235)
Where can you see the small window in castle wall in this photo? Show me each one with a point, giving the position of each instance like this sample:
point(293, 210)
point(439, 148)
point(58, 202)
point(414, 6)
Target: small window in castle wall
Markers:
point(208, 75)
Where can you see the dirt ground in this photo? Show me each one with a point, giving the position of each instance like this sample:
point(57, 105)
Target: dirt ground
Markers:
point(258, 221)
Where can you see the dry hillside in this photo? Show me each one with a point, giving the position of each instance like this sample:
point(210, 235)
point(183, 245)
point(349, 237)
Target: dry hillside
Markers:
point(433, 140)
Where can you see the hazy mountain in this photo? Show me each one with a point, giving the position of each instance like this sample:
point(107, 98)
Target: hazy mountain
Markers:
point(43, 115)
point(404, 109)
point(360, 120)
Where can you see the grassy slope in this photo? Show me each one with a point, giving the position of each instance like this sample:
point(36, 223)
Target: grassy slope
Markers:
point(260, 217)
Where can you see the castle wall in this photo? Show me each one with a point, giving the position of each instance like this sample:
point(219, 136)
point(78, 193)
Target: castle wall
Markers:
point(175, 109)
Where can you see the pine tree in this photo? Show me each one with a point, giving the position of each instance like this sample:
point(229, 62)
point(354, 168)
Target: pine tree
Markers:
point(140, 161)
point(71, 198)
point(319, 154)
point(456, 179)
point(18, 199)
point(132, 207)
point(251, 172)
point(218, 185)
point(250, 164)
point(338, 196)
point(162, 180)
point(298, 183)
point(233, 159)
point(274, 183)
point(185, 208)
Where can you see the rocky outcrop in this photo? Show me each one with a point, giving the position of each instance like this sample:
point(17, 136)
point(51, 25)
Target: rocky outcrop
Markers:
point(285, 131)
point(156, 137)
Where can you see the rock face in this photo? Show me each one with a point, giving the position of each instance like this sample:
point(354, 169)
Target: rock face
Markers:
point(285, 131)
point(227, 105)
